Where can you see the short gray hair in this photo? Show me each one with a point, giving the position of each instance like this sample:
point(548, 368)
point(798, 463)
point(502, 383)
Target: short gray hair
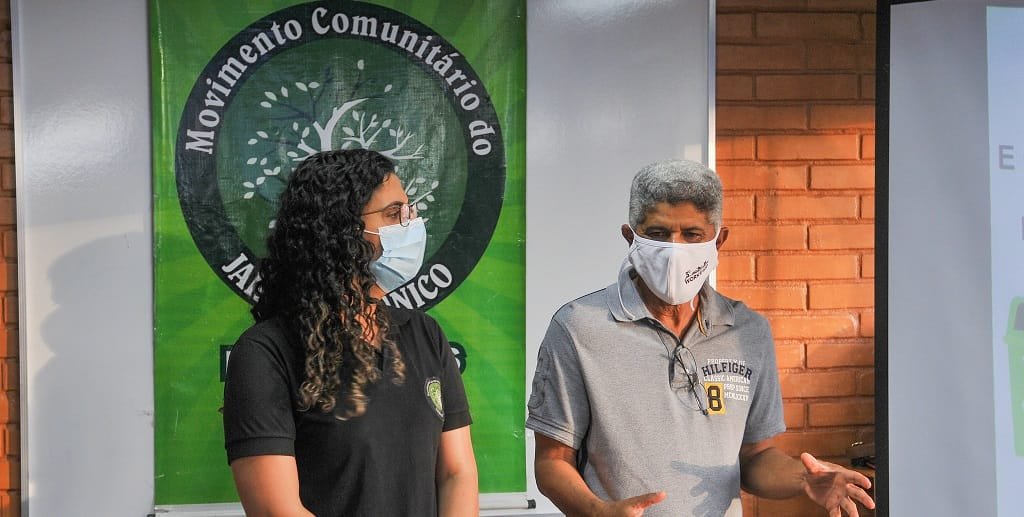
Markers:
point(673, 182)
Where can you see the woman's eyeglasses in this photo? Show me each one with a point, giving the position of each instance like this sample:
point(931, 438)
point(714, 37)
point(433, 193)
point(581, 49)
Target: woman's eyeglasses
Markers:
point(404, 212)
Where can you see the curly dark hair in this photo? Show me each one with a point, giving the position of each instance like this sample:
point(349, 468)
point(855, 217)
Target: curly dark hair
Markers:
point(316, 278)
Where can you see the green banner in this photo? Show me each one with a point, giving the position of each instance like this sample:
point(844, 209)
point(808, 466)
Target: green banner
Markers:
point(242, 92)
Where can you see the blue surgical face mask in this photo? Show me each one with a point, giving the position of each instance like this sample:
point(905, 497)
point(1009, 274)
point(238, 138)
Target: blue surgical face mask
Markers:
point(403, 248)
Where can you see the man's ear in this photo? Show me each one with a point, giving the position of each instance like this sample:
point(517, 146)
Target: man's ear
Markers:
point(723, 234)
point(627, 233)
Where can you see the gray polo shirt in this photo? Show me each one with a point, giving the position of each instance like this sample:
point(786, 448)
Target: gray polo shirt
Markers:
point(602, 384)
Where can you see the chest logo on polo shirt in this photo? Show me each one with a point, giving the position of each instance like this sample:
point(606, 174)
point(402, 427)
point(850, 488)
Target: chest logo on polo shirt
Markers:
point(432, 389)
point(726, 379)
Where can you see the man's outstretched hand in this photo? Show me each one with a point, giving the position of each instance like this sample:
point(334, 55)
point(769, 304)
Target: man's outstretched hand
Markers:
point(835, 488)
point(632, 507)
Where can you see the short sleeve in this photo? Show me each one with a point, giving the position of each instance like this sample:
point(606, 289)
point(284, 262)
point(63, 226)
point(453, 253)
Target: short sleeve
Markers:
point(453, 392)
point(258, 415)
point(558, 405)
point(765, 418)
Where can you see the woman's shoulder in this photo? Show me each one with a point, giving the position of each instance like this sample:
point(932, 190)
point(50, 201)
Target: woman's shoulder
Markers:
point(400, 317)
point(270, 335)
point(416, 328)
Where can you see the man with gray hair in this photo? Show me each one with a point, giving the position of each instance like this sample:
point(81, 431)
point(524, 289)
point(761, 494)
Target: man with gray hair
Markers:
point(657, 394)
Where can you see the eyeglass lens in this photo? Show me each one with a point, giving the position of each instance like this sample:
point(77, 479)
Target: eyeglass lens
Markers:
point(689, 379)
point(407, 214)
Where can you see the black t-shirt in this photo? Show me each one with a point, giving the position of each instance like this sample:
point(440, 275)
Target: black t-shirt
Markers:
point(381, 463)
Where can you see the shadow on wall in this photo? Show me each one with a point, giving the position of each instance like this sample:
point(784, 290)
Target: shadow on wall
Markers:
point(91, 431)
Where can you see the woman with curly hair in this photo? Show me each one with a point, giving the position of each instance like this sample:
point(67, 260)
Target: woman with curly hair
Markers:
point(334, 403)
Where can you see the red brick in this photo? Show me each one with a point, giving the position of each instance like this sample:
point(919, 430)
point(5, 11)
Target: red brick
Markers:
point(843, 177)
point(767, 297)
point(11, 309)
point(6, 143)
point(735, 267)
point(10, 473)
point(807, 26)
point(734, 148)
point(807, 147)
point(6, 111)
point(867, 56)
point(760, 117)
point(806, 207)
point(821, 444)
point(867, 147)
point(866, 383)
point(795, 414)
point(831, 355)
point(789, 355)
point(807, 267)
point(11, 441)
point(9, 343)
point(867, 323)
point(10, 244)
point(844, 5)
point(841, 236)
point(869, 26)
point(5, 76)
point(866, 434)
point(842, 116)
point(818, 384)
point(8, 276)
point(767, 237)
point(5, 43)
point(734, 87)
point(759, 57)
point(8, 408)
point(11, 374)
point(763, 177)
point(867, 266)
point(11, 504)
point(867, 207)
point(841, 296)
point(758, 5)
point(841, 57)
point(734, 26)
point(739, 207)
point(836, 58)
point(867, 87)
point(8, 214)
point(842, 413)
point(807, 87)
point(819, 326)
point(7, 176)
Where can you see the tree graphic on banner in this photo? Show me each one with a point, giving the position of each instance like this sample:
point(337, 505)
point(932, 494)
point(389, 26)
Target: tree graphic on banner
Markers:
point(305, 122)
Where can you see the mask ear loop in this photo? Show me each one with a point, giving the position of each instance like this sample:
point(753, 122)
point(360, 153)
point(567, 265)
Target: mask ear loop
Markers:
point(618, 285)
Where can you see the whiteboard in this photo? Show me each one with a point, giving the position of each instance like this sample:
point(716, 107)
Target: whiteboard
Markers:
point(612, 85)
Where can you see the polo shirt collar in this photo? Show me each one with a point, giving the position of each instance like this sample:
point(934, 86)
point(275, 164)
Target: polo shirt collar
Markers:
point(625, 304)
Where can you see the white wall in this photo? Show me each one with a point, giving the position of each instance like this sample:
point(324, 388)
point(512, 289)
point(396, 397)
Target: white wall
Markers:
point(612, 85)
point(82, 126)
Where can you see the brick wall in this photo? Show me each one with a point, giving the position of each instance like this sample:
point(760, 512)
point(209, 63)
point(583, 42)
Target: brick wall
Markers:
point(10, 448)
point(795, 149)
